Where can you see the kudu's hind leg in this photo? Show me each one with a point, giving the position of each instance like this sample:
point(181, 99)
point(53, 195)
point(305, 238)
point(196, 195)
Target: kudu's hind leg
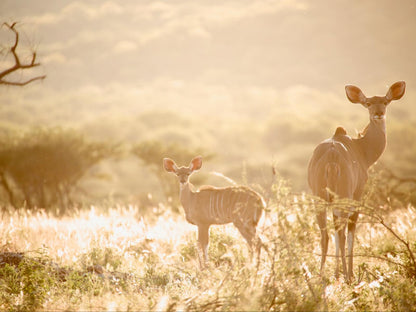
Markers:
point(321, 218)
point(340, 225)
point(352, 222)
point(247, 231)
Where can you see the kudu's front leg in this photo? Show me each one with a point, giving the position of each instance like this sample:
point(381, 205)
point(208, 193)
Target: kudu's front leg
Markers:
point(203, 240)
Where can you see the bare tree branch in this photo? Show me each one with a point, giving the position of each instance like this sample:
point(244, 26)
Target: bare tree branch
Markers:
point(18, 64)
point(16, 83)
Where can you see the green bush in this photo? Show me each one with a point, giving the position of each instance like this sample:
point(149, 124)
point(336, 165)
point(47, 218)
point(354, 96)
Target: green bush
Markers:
point(25, 287)
point(105, 257)
point(41, 168)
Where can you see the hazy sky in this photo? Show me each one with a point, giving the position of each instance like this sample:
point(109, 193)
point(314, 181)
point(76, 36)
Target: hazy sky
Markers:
point(193, 54)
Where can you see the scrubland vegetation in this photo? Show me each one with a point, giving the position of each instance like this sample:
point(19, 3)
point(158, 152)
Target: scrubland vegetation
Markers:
point(118, 258)
point(100, 226)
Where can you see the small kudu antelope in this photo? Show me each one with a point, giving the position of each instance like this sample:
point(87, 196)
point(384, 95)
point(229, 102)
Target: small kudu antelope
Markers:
point(339, 166)
point(214, 205)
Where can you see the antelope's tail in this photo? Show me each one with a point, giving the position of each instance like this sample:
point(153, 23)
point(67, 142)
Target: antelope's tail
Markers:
point(332, 174)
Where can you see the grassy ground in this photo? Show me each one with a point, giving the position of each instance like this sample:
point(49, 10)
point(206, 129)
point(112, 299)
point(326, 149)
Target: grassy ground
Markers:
point(113, 258)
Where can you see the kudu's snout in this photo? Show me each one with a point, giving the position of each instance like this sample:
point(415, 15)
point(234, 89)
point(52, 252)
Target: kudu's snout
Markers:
point(379, 116)
point(183, 179)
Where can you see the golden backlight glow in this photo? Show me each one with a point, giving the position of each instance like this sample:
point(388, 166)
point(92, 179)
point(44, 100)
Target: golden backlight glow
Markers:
point(253, 86)
point(274, 68)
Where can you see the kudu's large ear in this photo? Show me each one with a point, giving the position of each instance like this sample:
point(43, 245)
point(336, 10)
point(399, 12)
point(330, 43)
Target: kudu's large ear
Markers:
point(355, 95)
point(196, 163)
point(396, 91)
point(169, 165)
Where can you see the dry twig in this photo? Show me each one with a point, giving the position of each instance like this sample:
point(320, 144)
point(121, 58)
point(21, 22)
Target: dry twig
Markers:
point(18, 65)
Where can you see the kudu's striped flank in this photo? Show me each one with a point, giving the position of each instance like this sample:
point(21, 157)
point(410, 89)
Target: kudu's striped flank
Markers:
point(213, 205)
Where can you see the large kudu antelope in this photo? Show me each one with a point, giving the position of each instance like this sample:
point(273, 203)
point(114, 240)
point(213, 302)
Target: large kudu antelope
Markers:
point(213, 205)
point(339, 166)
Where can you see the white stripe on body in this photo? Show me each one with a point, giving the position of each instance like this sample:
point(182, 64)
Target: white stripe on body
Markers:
point(211, 212)
point(233, 204)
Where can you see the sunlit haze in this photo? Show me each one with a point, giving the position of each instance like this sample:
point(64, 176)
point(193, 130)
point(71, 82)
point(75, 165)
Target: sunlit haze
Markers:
point(254, 61)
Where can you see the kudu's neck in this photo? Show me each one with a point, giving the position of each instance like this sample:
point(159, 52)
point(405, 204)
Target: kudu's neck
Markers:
point(372, 141)
point(185, 194)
